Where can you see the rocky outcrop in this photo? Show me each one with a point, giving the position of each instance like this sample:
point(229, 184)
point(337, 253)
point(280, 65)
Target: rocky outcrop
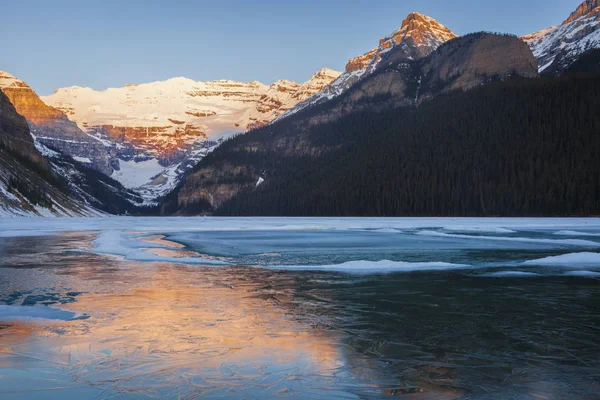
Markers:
point(284, 95)
point(417, 37)
point(212, 185)
point(584, 9)
point(556, 48)
point(474, 60)
point(14, 132)
point(51, 127)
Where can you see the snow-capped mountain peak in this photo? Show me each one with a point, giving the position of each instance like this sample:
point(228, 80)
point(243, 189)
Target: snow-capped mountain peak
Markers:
point(423, 30)
point(9, 81)
point(417, 37)
point(557, 47)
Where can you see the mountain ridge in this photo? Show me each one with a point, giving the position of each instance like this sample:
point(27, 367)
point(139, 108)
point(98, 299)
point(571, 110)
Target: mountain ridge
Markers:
point(557, 47)
point(157, 131)
point(418, 36)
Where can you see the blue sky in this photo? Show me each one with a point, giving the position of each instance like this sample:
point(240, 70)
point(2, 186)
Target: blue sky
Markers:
point(100, 44)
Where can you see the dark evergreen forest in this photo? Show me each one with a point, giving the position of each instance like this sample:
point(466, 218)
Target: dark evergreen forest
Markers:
point(517, 148)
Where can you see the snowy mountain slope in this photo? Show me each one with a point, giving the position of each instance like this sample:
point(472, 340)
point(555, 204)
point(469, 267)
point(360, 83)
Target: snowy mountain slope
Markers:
point(157, 131)
point(558, 47)
point(91, 188)
point(418, 36)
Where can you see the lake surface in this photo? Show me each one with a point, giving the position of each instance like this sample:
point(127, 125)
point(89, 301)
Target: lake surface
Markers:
point(417, 308)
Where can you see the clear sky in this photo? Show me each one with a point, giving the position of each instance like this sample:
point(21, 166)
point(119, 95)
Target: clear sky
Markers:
point(108, 43)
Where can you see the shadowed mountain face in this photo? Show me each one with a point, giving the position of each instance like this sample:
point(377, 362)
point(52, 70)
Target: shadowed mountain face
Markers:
point(14, 132)
point(588, 63)
point(460, 65)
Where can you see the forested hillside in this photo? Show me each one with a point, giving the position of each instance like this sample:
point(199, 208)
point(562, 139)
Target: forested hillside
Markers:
point(523, 147)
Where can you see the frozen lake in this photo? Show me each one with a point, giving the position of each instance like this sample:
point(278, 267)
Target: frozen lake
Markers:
point(425, 308)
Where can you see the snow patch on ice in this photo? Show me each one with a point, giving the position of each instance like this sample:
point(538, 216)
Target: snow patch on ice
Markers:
point(484, 229)
point(567, 242)
point(585, 274)
point(509, 274)
point(121, 244)
point(368, 267)
point(569, 260)
point(575, 233)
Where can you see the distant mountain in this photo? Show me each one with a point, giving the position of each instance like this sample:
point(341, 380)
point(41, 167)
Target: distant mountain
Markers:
point(289, 146)
point(157, 131)
point(417, 37)
point(557, 47)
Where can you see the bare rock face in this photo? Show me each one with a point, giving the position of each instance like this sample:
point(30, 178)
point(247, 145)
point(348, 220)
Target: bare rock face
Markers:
point(556, 48)
point(362, 62)
point(584, 9)
point(212, 185)
point(51, 127)
point(474, 60)
point(418, 36)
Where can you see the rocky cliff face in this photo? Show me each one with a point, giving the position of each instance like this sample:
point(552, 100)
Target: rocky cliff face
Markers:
point(418, 36)
point(28, 185)
point(157, 131)
point(51, 127)
point(556, 48)
point(14, 132)
point(584, 9)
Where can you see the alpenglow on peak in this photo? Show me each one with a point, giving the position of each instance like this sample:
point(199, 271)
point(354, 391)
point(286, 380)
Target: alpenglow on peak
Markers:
point(584, 9)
